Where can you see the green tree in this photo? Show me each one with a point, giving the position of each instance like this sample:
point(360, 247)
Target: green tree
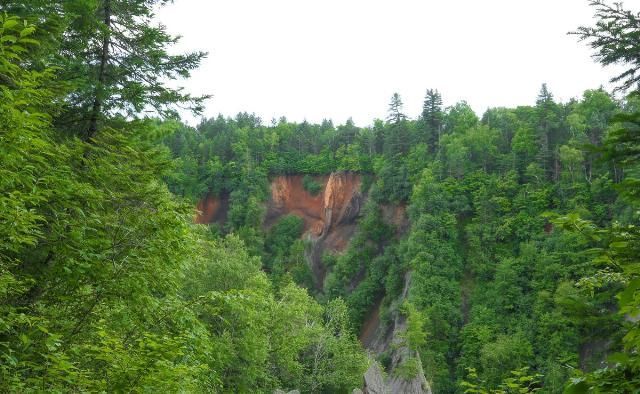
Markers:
point(547, 129)
point(395, 110)
point(433, 118)
point(615, 41)
point(397, 139)
point(118, 61)
point(460, 118)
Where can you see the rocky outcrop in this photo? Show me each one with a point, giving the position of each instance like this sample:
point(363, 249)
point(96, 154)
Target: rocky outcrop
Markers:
point(414, 385)
point(377, 382)
point(374, 382)
point(329, 217)
point(379, 338)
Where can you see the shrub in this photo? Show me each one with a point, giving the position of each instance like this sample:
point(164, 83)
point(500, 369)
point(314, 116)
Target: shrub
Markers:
point(311, 185)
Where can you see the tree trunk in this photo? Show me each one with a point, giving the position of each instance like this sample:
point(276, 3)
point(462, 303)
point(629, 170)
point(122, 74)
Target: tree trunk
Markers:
point(100, 85)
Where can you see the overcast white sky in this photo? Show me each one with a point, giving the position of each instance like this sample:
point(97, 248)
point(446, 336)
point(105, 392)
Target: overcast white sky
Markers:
point(344, 58)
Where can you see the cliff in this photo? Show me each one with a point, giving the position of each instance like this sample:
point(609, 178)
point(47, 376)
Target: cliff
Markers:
point(330, 220)
point(330, 217)
point(338, 202)
point(212, 209)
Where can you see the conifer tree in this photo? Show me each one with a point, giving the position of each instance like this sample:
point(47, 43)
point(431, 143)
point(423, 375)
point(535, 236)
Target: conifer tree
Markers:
point(395, 110)
point(433, 118)
point(396, 135)
point(616, 40)
point(115, 58)
point(546, 128)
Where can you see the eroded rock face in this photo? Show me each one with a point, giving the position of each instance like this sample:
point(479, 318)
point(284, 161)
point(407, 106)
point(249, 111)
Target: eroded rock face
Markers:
point(377, 382)
point(342, 199)
point(288, 197)
point(374, 381)
point(329, 217)
point(212, 209)
point(338, 202)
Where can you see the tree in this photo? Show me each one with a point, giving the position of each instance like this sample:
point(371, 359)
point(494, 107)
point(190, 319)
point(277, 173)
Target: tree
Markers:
point(117, 61)
point(433, 118)
point(615, 40)
point(395, 110)
point(460, 117)
point(397, 139)
point(547, 128)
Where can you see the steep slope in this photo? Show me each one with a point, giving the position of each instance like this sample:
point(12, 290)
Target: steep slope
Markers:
point(330, 220)
point(330, 216)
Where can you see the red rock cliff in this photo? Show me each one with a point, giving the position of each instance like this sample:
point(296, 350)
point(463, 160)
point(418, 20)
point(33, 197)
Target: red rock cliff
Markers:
point(329, 217)
point(338, 202)
point(212, 209)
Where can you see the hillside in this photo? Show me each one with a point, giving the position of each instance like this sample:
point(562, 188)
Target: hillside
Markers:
point(447, 220)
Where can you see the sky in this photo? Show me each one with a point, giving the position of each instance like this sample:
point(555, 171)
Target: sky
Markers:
point(337, 59)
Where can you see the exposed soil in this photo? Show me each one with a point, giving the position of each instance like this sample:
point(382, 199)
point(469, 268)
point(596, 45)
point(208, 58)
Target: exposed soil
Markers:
point(212, 209)
point(329, 217)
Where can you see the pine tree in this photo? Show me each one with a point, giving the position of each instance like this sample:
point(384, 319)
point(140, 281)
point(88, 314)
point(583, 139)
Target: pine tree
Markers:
point(397, 135)
point(433, 118)
point(395, 110)
point(547, 126)
point(616, 41)
point(116, 60)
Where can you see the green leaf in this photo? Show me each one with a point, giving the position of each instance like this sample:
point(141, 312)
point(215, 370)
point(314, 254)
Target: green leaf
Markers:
point(627, 296)
point(577, 386)
point(29, 41)
point(619, 245)
point(10, 24)
point(8, 38)
point(27, 31)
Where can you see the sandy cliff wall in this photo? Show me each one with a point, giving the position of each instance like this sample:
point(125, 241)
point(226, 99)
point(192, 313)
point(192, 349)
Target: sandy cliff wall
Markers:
point(329, 217)
point(338, 202)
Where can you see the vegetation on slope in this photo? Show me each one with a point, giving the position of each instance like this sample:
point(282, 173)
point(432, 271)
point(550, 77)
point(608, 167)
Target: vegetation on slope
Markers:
point(500, 286)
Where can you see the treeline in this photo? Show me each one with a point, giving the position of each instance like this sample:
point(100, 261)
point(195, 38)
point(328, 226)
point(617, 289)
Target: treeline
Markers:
point(105, 284)
point(547, 142)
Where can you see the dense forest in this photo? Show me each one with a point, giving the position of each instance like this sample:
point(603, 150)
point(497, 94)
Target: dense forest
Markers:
point(493, 253)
